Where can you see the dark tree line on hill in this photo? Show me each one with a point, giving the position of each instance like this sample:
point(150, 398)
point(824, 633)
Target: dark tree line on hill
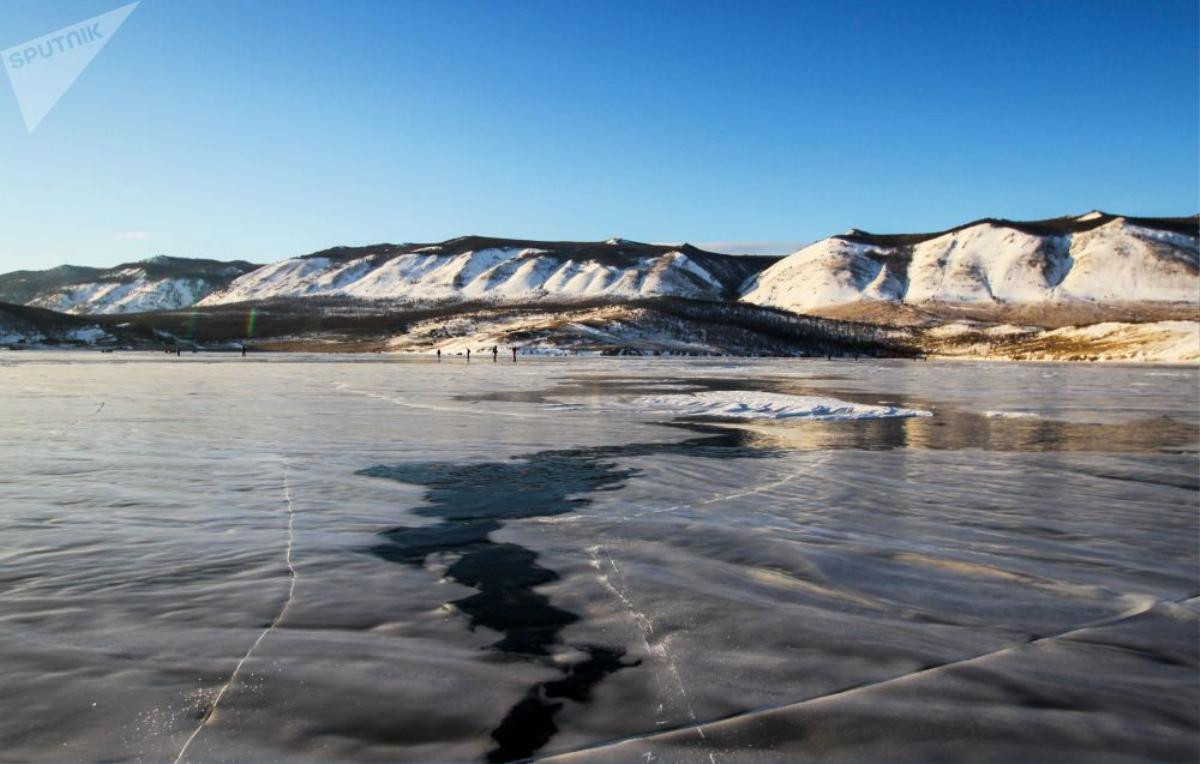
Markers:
point(734, 326)
point(820, 336)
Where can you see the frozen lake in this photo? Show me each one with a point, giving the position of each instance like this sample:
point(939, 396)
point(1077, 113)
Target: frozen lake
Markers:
point(357, 558)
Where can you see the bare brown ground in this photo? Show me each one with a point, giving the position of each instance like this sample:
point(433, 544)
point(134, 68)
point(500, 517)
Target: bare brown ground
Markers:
point(1048, 316)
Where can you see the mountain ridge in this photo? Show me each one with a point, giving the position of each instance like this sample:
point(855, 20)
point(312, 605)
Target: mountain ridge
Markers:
point(482, 267)
point(1188, 225)
point(1097, 260)
point(160, 282)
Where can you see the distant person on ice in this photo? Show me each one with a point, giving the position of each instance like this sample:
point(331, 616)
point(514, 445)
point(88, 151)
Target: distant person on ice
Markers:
point(468, 355)
point(514, 355)
point(495, 351)
point(439, 352)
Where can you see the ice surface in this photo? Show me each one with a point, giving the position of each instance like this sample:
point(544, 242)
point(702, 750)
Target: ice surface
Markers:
point(479, 572)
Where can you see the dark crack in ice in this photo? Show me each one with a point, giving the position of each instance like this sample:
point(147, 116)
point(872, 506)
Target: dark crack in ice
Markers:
point(471, 501)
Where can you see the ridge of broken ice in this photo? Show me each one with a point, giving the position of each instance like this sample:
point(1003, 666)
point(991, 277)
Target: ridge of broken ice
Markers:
point(750, 404)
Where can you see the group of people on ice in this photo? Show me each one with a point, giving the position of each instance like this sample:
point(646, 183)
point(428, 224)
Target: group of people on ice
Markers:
point(495, 354)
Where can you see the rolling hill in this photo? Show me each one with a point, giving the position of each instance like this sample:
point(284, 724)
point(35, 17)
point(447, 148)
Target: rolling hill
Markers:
point(159, 283)
point(1094, 286)
point(1048, 272)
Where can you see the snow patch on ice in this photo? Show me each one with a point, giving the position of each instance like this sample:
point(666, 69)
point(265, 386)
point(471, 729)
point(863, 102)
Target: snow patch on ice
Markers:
point(749, 404)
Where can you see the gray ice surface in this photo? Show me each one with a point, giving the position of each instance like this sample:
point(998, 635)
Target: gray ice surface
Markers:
point(959, 587)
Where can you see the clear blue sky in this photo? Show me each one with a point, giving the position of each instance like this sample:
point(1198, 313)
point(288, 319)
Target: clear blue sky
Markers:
point(260, 130)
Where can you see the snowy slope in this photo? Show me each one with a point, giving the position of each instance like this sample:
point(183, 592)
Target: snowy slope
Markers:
point(1158, 341)
point(1092, 258)
point(656, 326)
point(137, 295)
point(498, 270)
point(160, 283)
point(23, 326)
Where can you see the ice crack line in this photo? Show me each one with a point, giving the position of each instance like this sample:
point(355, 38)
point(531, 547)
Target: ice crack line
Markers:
point(1108, 621)
point(645, 625)
point(397, 401)
point(81, 420)
point(287, 603)
point(718, 498)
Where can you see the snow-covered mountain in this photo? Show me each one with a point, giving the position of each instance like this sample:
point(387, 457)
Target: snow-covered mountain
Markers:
point(1063, 271)
point(1091, 259)
point(159, 283)
point(475, 268)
